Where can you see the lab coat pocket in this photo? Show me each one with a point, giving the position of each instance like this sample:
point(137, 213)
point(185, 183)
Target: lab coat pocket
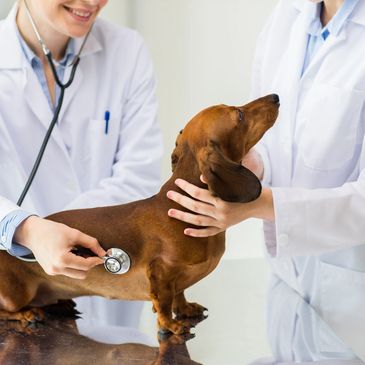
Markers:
point(102, 145)
point(342, 306)
point(332, 119)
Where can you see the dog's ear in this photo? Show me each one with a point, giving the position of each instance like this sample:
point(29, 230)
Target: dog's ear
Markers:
point(176, 153)
point(227, 179)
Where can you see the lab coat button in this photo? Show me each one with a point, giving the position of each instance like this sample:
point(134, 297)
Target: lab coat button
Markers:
point(283, 239)
point(3, 239)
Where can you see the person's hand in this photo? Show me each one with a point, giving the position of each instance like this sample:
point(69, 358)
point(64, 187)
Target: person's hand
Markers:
point(51, 244)
point(253, 162)
point(214, 214)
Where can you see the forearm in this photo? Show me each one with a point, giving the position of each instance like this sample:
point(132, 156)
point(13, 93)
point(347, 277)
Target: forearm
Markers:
point(321, 220)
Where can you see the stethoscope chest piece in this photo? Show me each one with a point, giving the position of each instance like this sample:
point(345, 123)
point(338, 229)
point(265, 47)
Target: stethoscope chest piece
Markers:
point(117, 261)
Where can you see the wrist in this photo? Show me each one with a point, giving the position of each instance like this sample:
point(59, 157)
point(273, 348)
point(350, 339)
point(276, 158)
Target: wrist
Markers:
point(263, 206)
point(22, 233)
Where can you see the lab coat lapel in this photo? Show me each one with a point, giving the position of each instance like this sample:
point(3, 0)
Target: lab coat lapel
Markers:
point(317, 60)
point(92, 46)
point(358, 17)
point(34, 96)
point(38, 103)
point(287, 85)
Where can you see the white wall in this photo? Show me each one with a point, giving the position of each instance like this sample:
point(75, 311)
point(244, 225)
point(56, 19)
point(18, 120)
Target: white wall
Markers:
point(202, 50)
point(4, 7)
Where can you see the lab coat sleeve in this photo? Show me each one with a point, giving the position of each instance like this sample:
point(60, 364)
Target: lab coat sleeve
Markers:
point(7, 230)
point(6, 207)
point(313, 222)
point(136, 171)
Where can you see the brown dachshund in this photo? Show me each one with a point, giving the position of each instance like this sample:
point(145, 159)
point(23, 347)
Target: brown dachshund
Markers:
point(165, 262)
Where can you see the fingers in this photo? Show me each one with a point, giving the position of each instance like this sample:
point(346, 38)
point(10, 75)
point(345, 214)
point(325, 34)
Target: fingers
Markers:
point(74, 274)
point(89, 242)
point(197, 193)
point(72, 266)
point(196, 220)
point(191, 204)
point(73, 261)
point(203, 232)
point(203, 204)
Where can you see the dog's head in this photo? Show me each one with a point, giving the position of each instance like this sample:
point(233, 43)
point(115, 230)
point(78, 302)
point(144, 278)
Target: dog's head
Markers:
point(219, 137)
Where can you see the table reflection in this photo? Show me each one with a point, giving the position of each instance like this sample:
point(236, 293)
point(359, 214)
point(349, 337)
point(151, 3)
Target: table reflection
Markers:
point(233, 334)
point(59, 342)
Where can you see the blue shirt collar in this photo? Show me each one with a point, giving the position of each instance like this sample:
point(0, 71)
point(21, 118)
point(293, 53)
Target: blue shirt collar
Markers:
point(337, 22)
point(31, 57)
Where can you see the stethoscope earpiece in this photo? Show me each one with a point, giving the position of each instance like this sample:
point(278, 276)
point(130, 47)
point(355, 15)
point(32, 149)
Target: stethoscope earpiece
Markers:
point(117, 261)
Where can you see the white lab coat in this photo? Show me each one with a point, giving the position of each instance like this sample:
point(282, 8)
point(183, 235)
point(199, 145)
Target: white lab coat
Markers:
point(314, 159)
point(82, 166)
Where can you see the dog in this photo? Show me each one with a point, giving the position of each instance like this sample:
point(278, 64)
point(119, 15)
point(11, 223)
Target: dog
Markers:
point(165, 262)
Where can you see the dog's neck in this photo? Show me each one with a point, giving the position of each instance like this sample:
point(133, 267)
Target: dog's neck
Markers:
point(186, 168)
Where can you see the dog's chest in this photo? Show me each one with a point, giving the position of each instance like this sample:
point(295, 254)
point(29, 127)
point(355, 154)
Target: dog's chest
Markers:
point(195, 272)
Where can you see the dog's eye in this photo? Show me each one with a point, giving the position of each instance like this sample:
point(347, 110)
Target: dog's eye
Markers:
point(241, 116)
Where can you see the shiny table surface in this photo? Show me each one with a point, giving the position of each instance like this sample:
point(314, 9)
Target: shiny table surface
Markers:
point(58, 342)
point(233, 334)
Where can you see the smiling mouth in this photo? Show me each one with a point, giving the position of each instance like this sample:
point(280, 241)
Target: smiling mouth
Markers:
point(79, 14)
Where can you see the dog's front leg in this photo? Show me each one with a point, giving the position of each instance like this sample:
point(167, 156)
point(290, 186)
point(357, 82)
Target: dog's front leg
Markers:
point(183, 309)
point(162, 291)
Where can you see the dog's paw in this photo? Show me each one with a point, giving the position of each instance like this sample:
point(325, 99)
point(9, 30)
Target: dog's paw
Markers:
point(177, 327)
point(63, 309)
point(190, 310)
point(31, 317)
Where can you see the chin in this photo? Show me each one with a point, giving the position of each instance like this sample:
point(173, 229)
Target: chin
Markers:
point(76, 32)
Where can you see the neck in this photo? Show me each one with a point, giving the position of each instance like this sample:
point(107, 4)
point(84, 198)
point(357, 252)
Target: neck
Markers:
point(329, 9)
point(187, 169)
point(56, 42)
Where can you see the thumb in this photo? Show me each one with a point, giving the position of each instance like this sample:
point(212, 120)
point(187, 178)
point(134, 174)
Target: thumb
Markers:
point(203, 179)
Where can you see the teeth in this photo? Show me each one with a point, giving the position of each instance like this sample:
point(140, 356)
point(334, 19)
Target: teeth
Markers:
point(81, 13)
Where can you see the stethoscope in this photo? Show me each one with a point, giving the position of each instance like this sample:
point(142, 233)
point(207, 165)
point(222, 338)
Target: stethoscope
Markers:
point(116, 261)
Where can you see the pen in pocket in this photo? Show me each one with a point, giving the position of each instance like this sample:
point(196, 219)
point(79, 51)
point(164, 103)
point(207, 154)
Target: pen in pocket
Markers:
point(107, 119)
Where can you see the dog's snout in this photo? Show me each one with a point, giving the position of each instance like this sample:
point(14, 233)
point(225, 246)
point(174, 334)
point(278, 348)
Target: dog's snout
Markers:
point(275, 98)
